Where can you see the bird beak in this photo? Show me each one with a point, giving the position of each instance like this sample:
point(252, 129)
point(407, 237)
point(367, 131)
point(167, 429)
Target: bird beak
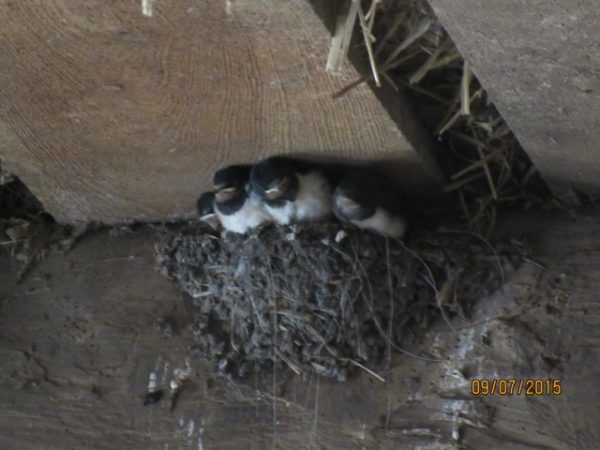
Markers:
point(212, 220)
point(224, 194)
point(273, 192)
point(277, 188)
point(346, 206)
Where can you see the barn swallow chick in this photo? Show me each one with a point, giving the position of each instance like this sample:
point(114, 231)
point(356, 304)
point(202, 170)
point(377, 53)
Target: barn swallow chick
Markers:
point(369, 201)
point(206, 212)
point(232, 204)
point(291, 190)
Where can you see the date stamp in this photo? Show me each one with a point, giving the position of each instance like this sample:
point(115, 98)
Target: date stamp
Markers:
point(514, 386)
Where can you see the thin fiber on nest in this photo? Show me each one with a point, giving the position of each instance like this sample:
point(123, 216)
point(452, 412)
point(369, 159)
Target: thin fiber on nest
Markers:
point(320, 296)
point(408, 48)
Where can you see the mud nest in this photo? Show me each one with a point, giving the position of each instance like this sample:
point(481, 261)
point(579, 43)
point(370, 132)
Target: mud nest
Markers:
point(322, 297)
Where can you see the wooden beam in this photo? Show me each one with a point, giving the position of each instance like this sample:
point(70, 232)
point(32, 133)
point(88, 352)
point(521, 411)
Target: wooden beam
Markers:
point(119, 111)
point(539, 61)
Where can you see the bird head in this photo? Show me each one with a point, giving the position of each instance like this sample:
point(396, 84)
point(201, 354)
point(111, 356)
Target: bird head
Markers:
point(205, 209)
point(274, 180)
point(204, 205)
point(230, 184)
point(357, 196)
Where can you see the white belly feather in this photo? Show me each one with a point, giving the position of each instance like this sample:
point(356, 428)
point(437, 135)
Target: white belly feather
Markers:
point(249, 216)
point(314, 197)
point(384, 223)
point(313, 201)
point(283, 215)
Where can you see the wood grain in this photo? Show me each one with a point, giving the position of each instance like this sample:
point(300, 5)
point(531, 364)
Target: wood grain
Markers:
point(111, 115)
point(540, 62)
